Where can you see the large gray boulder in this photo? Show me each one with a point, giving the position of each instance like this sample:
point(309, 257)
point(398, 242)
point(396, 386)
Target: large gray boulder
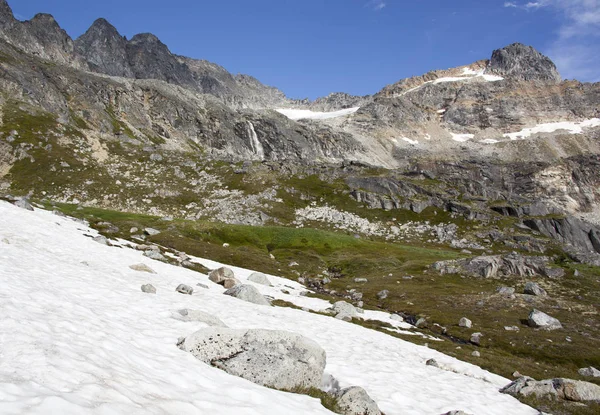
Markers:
point(542, 320)
point(259, 278)
point(277, 359)
point(356, 401)
point(201, 316)
point(247, 293)
point(561, 388)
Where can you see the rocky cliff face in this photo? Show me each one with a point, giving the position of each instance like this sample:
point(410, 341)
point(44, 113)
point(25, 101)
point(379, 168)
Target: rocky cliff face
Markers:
point(505, 129)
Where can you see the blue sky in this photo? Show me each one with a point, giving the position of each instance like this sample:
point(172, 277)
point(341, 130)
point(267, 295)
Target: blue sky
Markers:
point(309, 48)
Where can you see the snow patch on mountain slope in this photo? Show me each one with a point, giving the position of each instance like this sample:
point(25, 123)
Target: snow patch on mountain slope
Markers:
point(296, 114)
point(570, 126)
point(79, 337)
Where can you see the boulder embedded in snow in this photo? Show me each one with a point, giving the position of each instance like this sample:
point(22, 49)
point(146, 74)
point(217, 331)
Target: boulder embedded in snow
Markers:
point(343, 316)
point(355, 400)
point(142, 268)
point(23, 204)
point(456, 413)
point(532, 288)
point(342, 307)
point(465, 322)
point(542, 320)
point(101, 240)
point(230, 282)
point(201, 316)
point(566, 389)
point(259, 278)
point(276, 359)
point(156, 255)
point(184, 289)
point(432, 362)
point(591, 372)
point(149, 289)
point(247, 293)
point(219, 275)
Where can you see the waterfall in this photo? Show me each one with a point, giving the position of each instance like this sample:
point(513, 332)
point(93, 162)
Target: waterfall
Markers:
point(257, 147)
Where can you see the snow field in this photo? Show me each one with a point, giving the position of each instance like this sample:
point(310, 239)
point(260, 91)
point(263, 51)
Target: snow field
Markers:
point(296, 114)
point(77, 336)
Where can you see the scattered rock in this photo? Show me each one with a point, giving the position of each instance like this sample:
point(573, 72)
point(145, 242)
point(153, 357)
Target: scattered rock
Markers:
point(476, 354)
point(148, 288)
point(247, 293)
point(226, 245)
point(142, 268)
point(259, 278)
point(476, 338)
point(219, 275)
point(344, 316)
point(202, 285)
point(230, 282)
point(133, 230)
point(542, 320)
point(422, 322)
point(156, 255)
point(532, 288)
point(383, 294)
point(465, 322)
point(507, 291)
point(355, 400)
point(565, 389)
point(201, 316)
point(184, 289)
point(511, 328)
point(101, 240)
point(151, 231)
point(360, 280)
point(276, 359)
point(23, 204)
point(591, 372)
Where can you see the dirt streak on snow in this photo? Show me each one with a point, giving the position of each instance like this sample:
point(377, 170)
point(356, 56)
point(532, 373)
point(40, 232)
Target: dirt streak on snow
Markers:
point(77, 336)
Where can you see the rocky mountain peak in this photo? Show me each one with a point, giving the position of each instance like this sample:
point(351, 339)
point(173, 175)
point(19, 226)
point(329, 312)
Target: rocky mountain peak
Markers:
point(523, 62)
point(6, 14)
point(105, 49)
point(149, 58)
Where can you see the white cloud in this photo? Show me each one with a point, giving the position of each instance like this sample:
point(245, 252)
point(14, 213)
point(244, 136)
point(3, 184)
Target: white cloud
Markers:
point(376, 4)
point(576, 49)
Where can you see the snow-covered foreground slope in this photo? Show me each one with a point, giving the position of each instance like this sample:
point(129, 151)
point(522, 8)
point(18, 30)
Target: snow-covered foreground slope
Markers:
point(77, 336)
